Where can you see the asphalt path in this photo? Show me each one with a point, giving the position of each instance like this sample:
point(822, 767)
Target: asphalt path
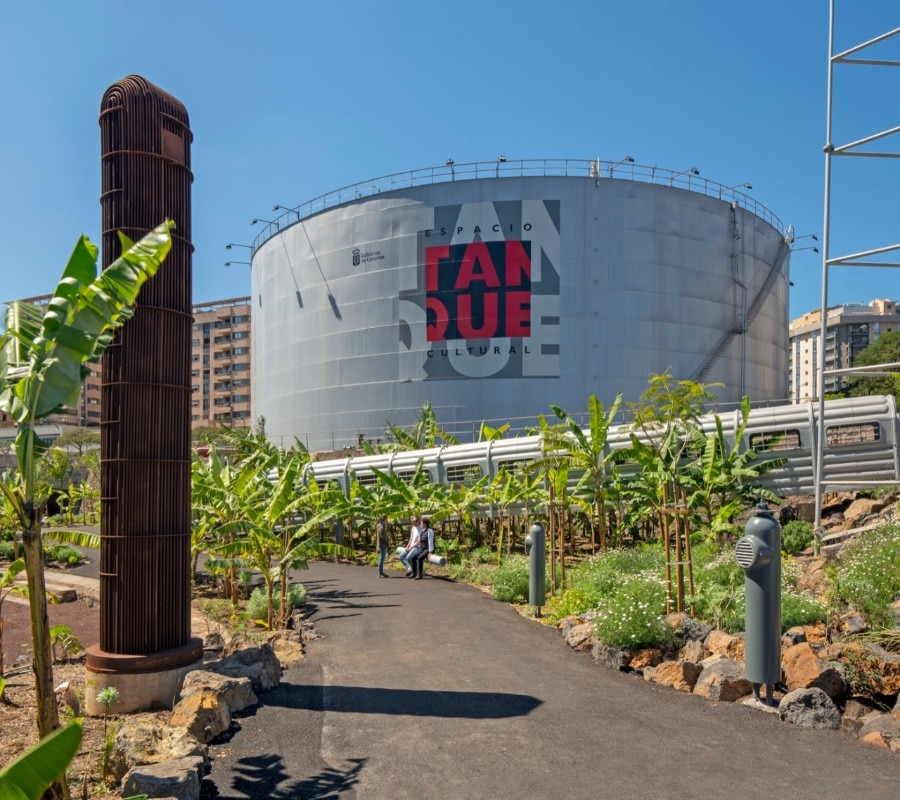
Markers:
point(432, 689)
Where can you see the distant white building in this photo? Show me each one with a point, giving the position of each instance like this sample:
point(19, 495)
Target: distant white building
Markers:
point(850, 329)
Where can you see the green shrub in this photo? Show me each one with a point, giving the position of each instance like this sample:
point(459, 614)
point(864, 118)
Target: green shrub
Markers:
point(449, 548)
point(632, 616)
point(7, 550)
point(719, 599)
point(798, 608)
point(719, 589)
point(63, 642)
point(482, 555)
point(601, 576)
point(869, 574)
point(475, 573)
point(796, 536)
point(256, 605)
point(63, 553)
point(570, 602)
point(509, 582)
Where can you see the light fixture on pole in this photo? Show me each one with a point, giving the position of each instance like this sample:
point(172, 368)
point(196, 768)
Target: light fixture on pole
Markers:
point(689, 171)
point(500, 160)
point(265, 221)
point(286, 210)
point(236, 244)
point(738, 186)
point(450, 162)
point(626, 160)
point(798, 249)
point(229, 263)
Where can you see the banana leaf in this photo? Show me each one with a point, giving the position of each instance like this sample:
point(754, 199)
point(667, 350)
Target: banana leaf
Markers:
point(29, 775)
point(43, 352)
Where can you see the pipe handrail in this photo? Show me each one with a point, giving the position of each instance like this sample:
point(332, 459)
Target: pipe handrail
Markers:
point(594, 169)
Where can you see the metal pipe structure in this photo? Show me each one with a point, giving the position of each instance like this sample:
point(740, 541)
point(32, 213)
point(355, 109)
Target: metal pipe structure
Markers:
point(855, 259)
point(145, 623)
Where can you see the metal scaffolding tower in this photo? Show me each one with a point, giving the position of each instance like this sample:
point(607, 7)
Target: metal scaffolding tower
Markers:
point(867, 258)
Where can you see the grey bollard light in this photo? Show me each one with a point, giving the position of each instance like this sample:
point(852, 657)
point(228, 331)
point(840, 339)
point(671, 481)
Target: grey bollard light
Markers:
point(537, 581)
point(758, 552)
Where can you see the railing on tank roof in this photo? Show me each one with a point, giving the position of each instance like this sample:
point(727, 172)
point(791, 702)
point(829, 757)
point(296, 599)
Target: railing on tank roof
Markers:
point(588, 168)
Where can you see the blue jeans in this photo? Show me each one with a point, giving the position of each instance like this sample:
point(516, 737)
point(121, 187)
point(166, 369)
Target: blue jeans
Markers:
point(407, 558)
point(382, 554)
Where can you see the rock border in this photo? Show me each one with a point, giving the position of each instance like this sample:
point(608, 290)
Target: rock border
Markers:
point(151, 755)
point(817, 678)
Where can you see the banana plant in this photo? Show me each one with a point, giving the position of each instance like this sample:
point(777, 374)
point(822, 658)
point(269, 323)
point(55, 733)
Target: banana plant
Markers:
point(726, 476)
point(424, 433)
point(586, 451)
point(44, 354)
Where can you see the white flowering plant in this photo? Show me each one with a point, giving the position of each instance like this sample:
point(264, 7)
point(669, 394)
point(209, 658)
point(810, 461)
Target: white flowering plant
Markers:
point(868, 575)
point(632, 616)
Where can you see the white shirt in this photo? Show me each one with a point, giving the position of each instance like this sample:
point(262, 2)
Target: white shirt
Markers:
point(415, 536)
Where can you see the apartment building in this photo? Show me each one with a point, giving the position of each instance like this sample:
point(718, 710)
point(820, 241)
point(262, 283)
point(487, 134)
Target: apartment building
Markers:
point(220, 364)
point(849, 330)
point(220, 369)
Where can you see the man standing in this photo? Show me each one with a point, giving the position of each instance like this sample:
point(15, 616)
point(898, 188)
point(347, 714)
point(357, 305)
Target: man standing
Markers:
point(426, 548)
point(412, 547)
point(383, 541)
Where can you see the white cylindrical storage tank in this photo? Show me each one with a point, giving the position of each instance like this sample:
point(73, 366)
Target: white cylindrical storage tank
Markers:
point(491, 295)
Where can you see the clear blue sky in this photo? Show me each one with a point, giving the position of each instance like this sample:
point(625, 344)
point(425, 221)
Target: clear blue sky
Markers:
point(289, 100)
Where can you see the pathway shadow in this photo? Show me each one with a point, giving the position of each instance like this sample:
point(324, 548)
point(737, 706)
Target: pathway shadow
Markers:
point(265, 777)
point(409, 702)
point(319, 601)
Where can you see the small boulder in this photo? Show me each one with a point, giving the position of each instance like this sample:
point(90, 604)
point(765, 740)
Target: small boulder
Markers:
point(726, 645)
point(612, 657)
point(871, 664)
point(287, 651)
point(694, 651)
point(881, 730)
point(802, 669)
point(142, 739)
point(236, 692)
point(688, 628)
point(793, 636)
point(862, 508)
point(259, 664)
point(179, 779)
point(204, 713)
point(680, 675)
point(816, 635)
point(809, 708)
point(646, 658)
point(723, 680)
point(856, 714)
point(813, 578)
point(850, 623)
point(580, 637)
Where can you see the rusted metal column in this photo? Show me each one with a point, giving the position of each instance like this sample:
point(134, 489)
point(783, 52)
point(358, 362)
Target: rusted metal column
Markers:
point(145, 623)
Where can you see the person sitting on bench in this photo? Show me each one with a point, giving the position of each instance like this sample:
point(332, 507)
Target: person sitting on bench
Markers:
point(412, 548)
point(426, 548)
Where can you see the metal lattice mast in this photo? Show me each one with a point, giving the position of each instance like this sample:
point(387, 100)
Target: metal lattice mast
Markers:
point(866, 258)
